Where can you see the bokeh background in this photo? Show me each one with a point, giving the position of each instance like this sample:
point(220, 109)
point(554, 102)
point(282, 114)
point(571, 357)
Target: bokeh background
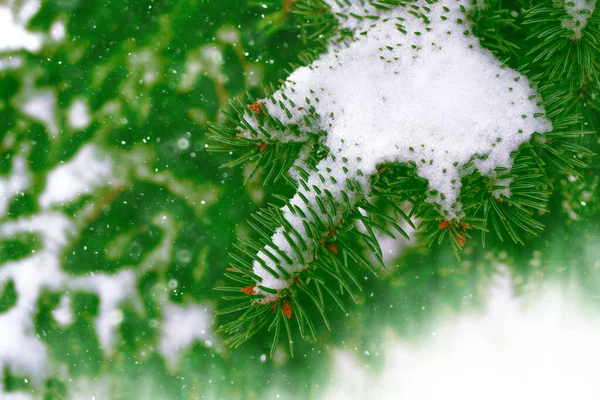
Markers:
point(116, 223)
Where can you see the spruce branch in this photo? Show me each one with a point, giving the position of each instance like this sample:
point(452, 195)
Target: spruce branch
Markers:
point(564, 47)
point(309, 249)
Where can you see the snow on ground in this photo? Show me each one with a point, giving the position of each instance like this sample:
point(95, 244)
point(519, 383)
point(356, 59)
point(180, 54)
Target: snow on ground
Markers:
point(542, 347)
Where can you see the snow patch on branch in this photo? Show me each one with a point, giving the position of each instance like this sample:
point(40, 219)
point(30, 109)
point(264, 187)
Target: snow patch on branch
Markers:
point(409, 87)
point(580, 11)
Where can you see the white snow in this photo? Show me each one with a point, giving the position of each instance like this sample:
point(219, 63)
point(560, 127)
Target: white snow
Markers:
point(79, 114)
point(58, 30)
point(112, 290)
point(80, 175)
point(14, 395)
point(13, 35)
point(11, 62)
point(63, 314)
point(229, 35)
point(433, 97)
point(182, 325)
point(544, 346)
point(25, 10)
point(20, 348)
point(14, 183)
point(41, 106)
point(93, 388)
point(580, 11)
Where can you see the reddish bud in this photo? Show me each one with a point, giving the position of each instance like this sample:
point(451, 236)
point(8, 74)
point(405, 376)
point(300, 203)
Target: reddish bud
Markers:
point(286, 308)
point(287, 5)
point(262, 147)
point(332, 247)
point(382, 170)
point(256, 107)
point(248, 290)
point(444, 224)
point(461, 239)
point(466, 226)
